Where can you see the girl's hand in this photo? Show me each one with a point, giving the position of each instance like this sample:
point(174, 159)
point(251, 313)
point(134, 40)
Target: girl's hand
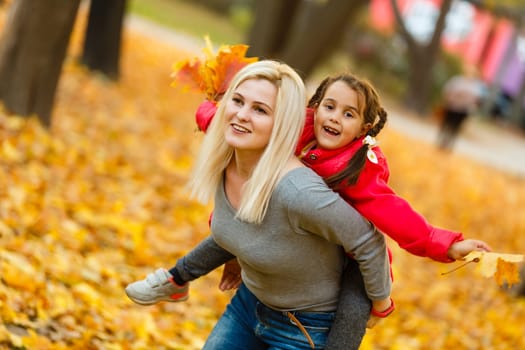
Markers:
point(372, 321)
point(459, 250)
point(380, 309)
point(231, 276)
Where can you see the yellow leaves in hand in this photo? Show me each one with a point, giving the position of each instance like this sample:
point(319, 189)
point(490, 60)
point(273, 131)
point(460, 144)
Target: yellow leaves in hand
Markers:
point(213, 74)
point(504, 267)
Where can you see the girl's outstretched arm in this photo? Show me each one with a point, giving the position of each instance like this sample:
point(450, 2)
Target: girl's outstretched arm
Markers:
point(458, 250)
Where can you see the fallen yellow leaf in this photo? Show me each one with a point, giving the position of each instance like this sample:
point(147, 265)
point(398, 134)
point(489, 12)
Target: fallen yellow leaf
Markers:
point(502, 266)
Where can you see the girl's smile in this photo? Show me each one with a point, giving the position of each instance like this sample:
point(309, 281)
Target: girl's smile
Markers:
point(338, 117)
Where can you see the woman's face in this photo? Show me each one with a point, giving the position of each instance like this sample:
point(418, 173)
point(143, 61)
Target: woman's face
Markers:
point(338, 119)
point(250, 115)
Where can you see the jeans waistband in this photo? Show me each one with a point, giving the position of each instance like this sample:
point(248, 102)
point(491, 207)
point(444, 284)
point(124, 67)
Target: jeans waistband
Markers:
point(263, 309)
point(301, 327)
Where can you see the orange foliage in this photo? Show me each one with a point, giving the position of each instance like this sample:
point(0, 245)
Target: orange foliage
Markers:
point(212, 74)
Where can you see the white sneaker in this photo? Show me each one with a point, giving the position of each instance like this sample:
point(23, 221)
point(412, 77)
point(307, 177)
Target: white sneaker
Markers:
point(157, 286)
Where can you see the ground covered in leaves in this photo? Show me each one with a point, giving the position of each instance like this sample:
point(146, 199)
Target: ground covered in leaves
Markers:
point(98, 201)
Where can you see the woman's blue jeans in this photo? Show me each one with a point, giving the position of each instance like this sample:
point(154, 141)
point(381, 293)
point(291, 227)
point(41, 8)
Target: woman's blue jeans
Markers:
point(249, 324)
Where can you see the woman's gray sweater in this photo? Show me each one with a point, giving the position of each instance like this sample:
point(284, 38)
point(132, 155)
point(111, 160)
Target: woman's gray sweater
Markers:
point(294, 259)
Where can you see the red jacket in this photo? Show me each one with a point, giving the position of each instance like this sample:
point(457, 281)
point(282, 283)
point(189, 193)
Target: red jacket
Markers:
point(370, 196)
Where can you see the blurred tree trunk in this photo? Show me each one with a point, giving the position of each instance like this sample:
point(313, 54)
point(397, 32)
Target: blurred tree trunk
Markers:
point(32, 50)
point(300, 32)
point(316, 32)
point(270, 27)
point(421, 58)
point(103, 36)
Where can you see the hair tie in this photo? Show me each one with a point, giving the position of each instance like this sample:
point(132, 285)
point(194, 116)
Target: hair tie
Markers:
point(370, 154)
point(370, 141)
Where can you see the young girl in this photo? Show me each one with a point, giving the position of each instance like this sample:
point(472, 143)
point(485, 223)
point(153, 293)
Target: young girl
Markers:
point(343, 117)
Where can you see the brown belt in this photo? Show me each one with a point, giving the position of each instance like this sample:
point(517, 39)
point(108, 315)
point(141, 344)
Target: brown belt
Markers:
point(301, 327)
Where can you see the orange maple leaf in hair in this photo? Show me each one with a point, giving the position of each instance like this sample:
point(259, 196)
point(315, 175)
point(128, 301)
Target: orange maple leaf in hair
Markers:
point(229, 61)
point(187, 75)
point(213, 74)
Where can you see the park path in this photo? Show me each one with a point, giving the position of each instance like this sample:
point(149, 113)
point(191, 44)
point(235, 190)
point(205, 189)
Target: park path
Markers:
point(485, 142)
point(494, 145)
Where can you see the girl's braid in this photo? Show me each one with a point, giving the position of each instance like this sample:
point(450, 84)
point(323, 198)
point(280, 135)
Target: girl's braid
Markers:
point(378, 126)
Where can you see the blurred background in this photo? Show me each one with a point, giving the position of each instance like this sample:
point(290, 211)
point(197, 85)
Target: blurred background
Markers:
point(96, 148)
point(408, 48)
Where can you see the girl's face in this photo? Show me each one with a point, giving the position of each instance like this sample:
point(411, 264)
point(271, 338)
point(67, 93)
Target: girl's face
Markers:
point(338, 120)
point(250, 115)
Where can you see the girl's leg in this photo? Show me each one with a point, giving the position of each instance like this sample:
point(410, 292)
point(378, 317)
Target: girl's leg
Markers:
point(235, 328)
point(201, 260)
point(158, 286)
point(353, 311)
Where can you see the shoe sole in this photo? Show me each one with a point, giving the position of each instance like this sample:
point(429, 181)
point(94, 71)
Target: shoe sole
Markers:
point(155, 301)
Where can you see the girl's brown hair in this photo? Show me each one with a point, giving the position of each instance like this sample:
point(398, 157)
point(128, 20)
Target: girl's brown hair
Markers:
point(373, 113)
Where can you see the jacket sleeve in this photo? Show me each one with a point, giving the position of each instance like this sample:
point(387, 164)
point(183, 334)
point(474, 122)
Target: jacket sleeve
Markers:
point(204, 114)
point(394, 216)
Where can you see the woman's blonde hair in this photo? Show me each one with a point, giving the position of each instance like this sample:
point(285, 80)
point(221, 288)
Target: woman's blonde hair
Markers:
point(215, 154)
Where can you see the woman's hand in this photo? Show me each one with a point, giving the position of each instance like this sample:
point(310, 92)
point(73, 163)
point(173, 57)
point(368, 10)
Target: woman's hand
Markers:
point(458, 250)
point(231, 276)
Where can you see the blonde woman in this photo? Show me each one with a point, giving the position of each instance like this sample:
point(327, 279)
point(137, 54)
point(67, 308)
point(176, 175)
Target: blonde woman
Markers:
point(288, 230)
